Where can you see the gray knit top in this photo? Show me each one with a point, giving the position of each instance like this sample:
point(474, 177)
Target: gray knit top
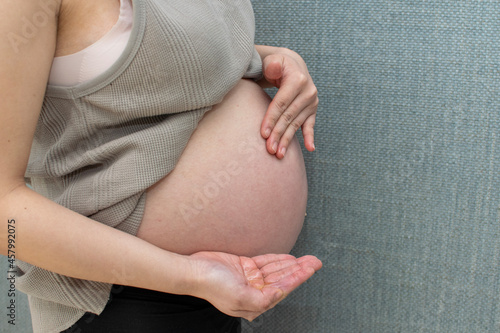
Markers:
point(99, 145)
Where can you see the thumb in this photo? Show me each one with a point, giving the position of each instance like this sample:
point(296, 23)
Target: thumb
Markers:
point(273, 69)
point(275, 295)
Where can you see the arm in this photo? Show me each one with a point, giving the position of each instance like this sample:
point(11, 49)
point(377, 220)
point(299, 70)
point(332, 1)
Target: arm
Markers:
point(49, 235)
point(57, 239)
point(295, 103)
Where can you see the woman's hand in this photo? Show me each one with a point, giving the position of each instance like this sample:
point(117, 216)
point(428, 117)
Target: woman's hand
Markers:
point(247, 287)
point(295, 103)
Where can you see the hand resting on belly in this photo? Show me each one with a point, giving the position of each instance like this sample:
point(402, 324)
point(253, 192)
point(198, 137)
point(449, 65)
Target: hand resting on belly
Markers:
point(227, 193)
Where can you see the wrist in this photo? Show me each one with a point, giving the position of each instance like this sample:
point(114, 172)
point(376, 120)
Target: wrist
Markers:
point(195, 277)
point(192, 283)
point(180, 276)
point(206, 271)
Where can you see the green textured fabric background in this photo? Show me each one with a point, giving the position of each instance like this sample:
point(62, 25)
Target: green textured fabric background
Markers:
point(404, 186)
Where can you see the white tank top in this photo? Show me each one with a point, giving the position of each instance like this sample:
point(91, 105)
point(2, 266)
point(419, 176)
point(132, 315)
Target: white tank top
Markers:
point(95, 59)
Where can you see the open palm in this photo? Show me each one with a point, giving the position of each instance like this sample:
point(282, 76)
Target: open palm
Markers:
point(247, 287)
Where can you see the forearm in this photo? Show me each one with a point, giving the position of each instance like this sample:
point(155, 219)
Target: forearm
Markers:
point(60, 240)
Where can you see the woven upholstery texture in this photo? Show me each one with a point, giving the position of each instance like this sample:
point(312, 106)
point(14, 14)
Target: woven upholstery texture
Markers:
point(404, 186)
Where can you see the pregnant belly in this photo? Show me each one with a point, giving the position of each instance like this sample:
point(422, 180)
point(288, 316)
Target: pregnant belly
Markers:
point(227, 193)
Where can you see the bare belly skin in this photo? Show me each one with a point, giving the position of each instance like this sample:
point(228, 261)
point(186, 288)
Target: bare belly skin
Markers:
point(227, 193)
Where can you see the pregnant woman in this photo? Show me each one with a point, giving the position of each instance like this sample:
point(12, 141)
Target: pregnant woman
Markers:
point(158, 164)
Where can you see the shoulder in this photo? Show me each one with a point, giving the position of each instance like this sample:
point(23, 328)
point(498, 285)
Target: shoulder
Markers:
point(24, 22)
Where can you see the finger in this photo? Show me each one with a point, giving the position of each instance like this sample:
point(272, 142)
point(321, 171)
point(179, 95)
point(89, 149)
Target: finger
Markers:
point(268, 298)
point(286, 267)
point(258, 301)
point(274, 296)
point(289, 134)
point(277, 266)
point(289, 279)
point(303, 106)
point(291, 268)
point(265, 259)
point(278, 275)
point(272, 69)
point(308, 132)
point(311, 261)
point(280, 103)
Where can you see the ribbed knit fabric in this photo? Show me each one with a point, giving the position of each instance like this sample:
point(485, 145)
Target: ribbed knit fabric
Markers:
point(98, 146)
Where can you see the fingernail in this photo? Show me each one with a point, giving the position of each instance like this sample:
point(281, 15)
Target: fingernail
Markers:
point(267, 133)
point(275, 147)
point(314, 147)
point(283, 151)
